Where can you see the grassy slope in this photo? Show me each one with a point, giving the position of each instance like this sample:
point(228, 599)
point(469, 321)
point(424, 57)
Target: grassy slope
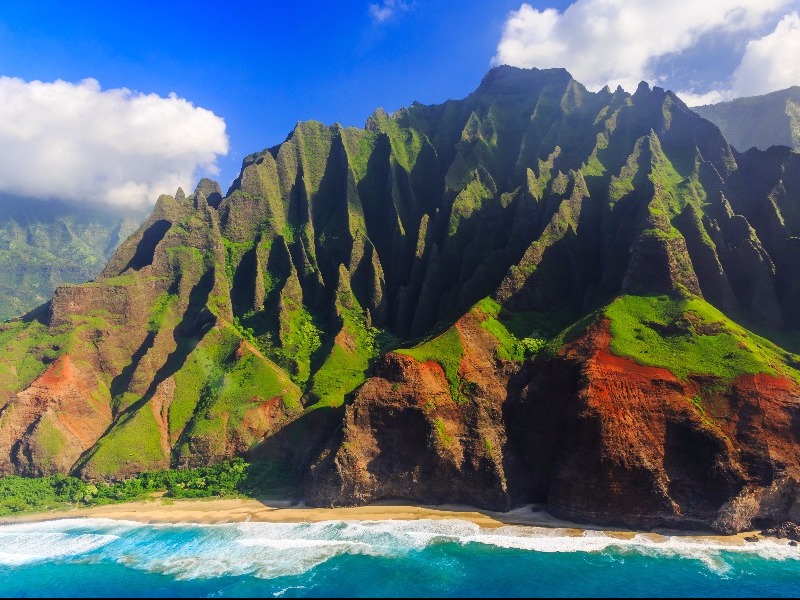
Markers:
point(689, 336)
point(445, 349)
point(29, 347)
point(24, 348)
point(518, 336)
point(346, 365)
point(219, 382)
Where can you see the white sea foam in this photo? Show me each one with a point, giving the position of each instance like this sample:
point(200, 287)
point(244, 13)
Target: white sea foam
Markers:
point(707, 550)
point(270, 550)
point(263, 547)
point(18, 548)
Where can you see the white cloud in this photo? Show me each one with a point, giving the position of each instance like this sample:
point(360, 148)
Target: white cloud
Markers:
point(80, 143)
point(771, 62)
point(618, 42)
point(387, 9)
point(712, 97)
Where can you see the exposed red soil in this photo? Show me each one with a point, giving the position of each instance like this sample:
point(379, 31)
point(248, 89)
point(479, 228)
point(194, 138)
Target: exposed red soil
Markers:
point(623, 442)
point(405, 436)
point(59, 399)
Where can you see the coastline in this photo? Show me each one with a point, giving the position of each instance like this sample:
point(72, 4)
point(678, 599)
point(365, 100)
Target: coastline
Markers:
point(218, 511)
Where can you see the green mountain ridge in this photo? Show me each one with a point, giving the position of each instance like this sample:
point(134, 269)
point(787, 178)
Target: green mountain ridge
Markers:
point(758, 121)
point(436, 306)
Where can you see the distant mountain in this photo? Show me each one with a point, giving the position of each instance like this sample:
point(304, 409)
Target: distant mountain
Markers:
point(758, 121)
point(44, 244)
point(534, 294)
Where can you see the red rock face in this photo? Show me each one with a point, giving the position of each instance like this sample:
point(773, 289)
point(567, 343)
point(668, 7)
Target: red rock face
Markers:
point(610, 441)
point(595, 436)
point(52, 422)
point(405, 437)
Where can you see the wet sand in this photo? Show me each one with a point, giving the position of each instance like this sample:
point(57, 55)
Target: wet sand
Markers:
point(238, 510)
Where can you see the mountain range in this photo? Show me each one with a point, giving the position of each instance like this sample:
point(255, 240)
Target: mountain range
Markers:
point(758, 121)
point(46, 243)
point(534, 294)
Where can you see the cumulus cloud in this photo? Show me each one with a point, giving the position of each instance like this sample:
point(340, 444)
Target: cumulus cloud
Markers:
point(619, 42)
point(80, 143)
point(387, 9)
point(712, 97)
point(771, 62)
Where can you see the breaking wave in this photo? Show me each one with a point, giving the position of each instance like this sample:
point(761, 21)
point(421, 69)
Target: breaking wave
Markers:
point(269, 550)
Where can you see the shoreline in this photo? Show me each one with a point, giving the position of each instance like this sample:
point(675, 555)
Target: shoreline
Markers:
point(219, 511)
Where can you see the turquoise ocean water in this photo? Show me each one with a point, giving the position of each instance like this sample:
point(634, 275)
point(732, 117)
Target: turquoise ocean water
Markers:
point(97, 557)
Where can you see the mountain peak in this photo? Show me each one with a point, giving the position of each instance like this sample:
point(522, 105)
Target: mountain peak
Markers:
point(642, 89)
point(505, 79)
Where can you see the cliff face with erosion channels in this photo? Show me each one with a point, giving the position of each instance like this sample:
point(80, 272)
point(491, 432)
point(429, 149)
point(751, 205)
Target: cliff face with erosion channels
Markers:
point(537, 293)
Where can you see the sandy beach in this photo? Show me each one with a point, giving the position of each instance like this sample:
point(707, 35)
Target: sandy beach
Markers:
point(238, 510)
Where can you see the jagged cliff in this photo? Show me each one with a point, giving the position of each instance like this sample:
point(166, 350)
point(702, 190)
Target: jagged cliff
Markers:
point(537, 293)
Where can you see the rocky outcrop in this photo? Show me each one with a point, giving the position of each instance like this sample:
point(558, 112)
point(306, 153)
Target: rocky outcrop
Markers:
point(771, 506)
point(788, 530)
point(611, 441)
point(660, 264)
point(406, 436)
point(53, 421)
point(124, 303)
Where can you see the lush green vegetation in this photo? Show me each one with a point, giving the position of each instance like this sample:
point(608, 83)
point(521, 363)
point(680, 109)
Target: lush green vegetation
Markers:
point(233, 254)
point(29, 348)
point(538, 184)
point(196, 383)
point(445, 439)
point(300, 340)
point(159, 310)
point(622, 185)
point(222, 381)
point(511, 347)
point(348, 361)
point(445, 349)
point(688, 336)
point(468, 201)
point(24, 348)
point(230, 478)
point(313, 141)
point(406, 142)
point(136, 440)
point(360, 146)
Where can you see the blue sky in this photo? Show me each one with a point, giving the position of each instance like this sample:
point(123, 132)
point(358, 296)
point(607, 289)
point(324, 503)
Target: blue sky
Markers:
point(263, 65)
